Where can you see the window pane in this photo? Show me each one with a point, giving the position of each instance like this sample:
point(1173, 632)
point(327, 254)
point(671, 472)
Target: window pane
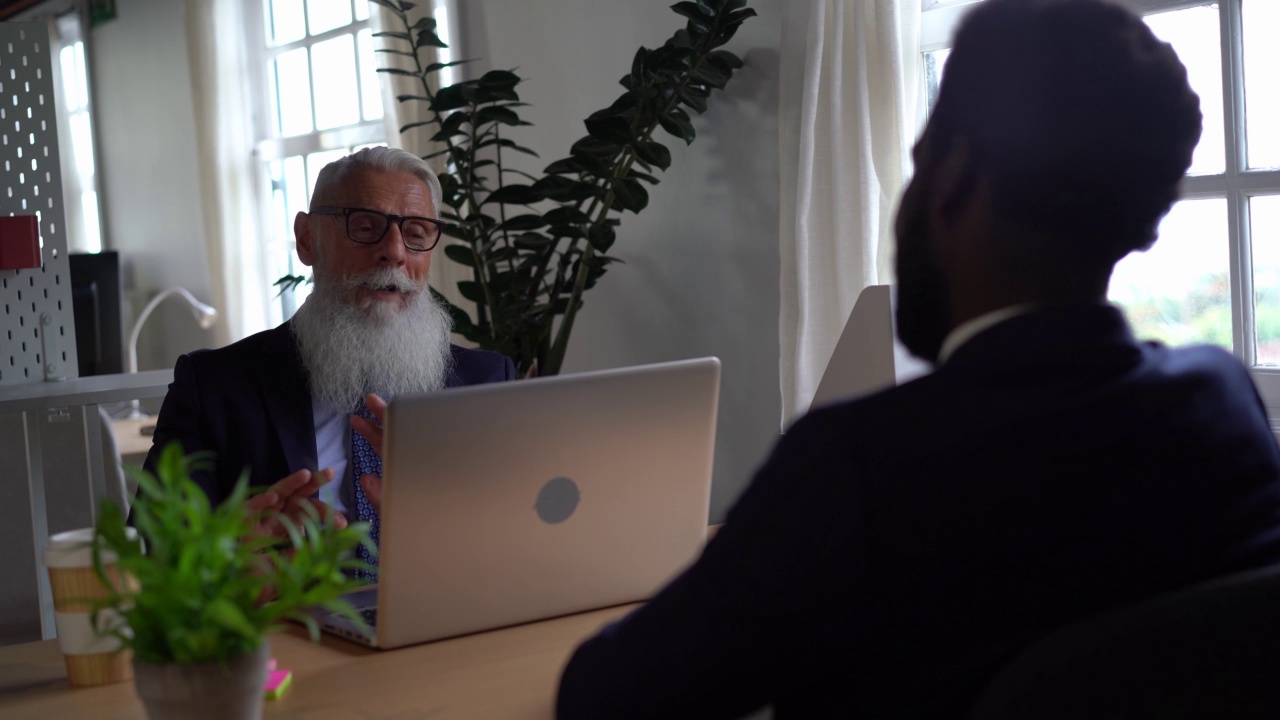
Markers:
point(934, 62)
point(370, 93)
point(325, 15)
point(1179, 291)
point(333, 64)
point(1194, 34)
point(1264, 221)
point(362, 9)
point(293, 92)
point(82, 145)
point(70, 80)
point(1261, 89)
point(92, 232)
point(295, 186)
point(82, 87)
point(316, 161)
point(287, 24)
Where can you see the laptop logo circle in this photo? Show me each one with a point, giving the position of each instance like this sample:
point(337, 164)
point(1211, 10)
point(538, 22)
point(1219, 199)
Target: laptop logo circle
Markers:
point(557, 500)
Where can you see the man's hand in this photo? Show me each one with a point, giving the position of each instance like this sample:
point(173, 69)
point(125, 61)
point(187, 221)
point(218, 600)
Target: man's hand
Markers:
point(288, 498)
point(372, 433)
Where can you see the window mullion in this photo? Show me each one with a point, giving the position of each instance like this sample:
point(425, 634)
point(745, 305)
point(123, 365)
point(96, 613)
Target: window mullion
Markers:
point(1242, 315)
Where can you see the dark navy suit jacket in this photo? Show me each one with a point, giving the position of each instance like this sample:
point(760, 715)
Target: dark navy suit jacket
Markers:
point(893, 551)
point(249, 404)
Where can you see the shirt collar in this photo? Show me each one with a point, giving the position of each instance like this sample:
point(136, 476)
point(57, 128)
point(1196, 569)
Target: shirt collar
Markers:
point(966, 331)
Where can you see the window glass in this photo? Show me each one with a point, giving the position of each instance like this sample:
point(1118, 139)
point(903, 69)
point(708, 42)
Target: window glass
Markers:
point(370, 92)
point(293, 92)
point(317, 160)
point(286, 24)
point(333, 73)
point(934, 63)
point(1195, 36)
point(325, 15)
point(1264, 221)
point(1179, 291)
point(92, 230)
point(1261, 84)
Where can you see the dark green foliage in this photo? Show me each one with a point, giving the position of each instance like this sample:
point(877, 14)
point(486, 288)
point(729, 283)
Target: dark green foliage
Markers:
point(194, 591)
point(535, 245)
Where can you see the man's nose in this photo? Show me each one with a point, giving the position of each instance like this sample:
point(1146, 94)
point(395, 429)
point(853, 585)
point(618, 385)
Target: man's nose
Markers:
point(391, 249)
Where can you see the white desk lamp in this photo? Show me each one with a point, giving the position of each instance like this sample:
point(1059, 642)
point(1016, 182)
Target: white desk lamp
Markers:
point(204, 314)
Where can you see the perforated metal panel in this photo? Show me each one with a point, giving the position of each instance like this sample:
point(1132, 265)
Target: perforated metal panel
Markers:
point(31, 184)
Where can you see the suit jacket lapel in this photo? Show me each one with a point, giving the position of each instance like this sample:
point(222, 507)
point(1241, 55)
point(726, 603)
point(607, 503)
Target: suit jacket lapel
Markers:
point(288, 400)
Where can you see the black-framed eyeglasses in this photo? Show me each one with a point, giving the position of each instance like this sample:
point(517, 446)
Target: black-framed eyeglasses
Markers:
point(368, 227)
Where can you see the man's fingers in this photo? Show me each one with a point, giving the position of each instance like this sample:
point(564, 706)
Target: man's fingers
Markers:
point(292, 483)
point(372, 486)
point(263, 501)
point(377, 406)
point(371, 433)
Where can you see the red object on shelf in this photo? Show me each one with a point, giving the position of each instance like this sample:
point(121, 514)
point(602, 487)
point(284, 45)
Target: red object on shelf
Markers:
point(19, 242)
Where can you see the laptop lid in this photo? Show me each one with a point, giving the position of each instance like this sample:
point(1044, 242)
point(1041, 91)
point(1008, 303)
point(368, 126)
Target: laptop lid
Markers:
point(514, 502)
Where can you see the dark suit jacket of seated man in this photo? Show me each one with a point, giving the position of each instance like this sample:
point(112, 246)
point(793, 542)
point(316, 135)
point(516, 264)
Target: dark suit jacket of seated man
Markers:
point(894, 551)
point(249, 404)
point(286, 402)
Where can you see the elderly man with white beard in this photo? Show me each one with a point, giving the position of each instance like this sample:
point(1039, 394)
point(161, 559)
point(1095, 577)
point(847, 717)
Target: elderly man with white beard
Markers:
point(301, 406)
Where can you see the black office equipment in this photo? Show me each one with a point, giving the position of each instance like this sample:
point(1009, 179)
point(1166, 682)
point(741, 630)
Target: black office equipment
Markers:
point(96, 306)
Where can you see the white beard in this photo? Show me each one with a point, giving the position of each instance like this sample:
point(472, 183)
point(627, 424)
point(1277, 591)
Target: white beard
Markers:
point(351, 349)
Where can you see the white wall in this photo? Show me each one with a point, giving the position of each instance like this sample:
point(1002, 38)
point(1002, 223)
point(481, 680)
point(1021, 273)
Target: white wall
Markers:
point(701, 272)
point(147, 150)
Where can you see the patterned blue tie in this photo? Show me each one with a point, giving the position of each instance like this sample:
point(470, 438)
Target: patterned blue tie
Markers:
point(364, 461)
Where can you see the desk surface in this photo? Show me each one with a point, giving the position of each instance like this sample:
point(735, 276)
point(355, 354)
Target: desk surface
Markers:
point(130, 441)
point(510, 673)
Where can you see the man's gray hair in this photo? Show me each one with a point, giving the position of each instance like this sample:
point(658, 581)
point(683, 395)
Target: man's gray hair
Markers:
point(381, 159)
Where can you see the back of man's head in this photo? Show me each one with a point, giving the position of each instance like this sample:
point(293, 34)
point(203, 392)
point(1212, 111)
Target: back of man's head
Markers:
point(1080, 117)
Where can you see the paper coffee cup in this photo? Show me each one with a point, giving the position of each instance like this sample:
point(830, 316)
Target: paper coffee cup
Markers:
point(91, 659)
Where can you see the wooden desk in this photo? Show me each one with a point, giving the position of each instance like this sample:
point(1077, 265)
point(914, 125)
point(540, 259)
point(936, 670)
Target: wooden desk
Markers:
point(509, 673)
point(130, 441)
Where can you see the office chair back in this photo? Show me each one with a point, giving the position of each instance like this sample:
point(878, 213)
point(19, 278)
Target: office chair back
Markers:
point(1211, 651)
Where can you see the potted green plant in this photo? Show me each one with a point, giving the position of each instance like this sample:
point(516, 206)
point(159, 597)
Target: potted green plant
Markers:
point(194, 580)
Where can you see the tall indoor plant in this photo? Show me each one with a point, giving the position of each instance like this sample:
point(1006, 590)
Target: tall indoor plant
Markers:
point(535, 245)
point(194, 588)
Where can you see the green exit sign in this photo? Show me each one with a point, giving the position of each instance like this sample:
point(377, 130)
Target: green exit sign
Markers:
point(101, 11)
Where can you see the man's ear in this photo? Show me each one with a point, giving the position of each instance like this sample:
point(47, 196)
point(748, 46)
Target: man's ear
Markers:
point(954, 182)
point(303, 238)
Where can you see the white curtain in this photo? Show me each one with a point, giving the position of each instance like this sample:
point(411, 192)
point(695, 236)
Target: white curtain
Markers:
point(848, 106)
point(445, 273)
point(223, 112)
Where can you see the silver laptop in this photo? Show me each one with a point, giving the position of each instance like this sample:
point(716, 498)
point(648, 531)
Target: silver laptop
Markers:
point(519, 501)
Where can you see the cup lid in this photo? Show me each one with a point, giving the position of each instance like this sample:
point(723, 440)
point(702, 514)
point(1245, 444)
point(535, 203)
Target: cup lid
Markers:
point(74, 548)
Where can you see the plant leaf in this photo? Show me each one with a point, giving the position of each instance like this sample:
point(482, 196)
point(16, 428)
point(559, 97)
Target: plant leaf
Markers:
point(513, 194)
point(679, 127)
point(630, 195)
point(612, 130)
point(654, 153)
point(693, 12)
point(523, 222)
point(460, 254)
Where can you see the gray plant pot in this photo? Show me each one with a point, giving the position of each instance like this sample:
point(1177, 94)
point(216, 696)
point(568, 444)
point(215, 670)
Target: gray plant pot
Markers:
point(204, 691)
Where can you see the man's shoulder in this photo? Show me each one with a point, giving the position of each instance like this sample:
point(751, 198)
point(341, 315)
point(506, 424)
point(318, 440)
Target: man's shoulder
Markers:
point(277, 340)
point(472, 366)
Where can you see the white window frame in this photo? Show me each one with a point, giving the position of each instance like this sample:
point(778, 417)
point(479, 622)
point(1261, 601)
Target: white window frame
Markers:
point(270, 146)
point(1238, 184)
